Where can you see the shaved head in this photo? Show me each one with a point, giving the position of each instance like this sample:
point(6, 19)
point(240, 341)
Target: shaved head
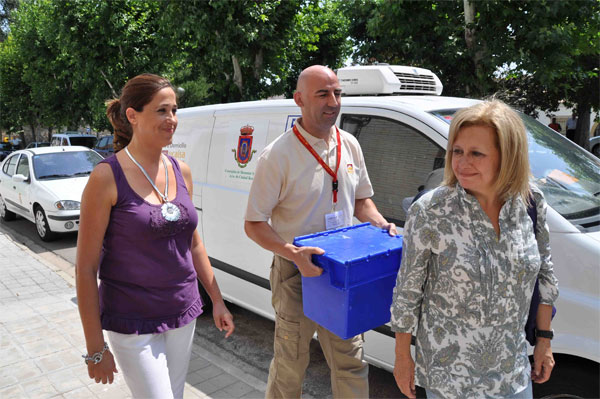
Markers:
point(318, 95)
point(312, 72)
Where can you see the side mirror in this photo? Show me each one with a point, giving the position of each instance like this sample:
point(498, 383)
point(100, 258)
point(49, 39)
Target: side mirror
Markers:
point(20, 178)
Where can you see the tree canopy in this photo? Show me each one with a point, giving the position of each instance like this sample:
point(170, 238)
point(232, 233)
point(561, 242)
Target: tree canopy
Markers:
point(61, 60)
point(532, 54)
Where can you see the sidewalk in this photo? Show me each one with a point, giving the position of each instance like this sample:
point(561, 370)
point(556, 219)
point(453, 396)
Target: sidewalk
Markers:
point(41, 339)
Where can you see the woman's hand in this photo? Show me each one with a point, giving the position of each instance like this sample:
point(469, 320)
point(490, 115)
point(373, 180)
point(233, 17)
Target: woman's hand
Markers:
point(103, 371)
point(404, 373)
point(543, 361)
point(223, 319)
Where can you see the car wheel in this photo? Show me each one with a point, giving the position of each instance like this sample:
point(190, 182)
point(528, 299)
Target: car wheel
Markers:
point(5, 214)
point(41, 223)
point(596, 150)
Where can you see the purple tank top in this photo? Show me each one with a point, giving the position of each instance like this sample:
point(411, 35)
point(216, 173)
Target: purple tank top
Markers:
point(148, 281)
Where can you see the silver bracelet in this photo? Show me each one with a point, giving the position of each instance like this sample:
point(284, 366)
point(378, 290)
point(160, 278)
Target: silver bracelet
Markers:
point(96, 357)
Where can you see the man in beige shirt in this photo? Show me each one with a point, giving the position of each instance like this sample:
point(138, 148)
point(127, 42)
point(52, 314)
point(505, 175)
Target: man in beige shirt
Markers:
point(311, 178)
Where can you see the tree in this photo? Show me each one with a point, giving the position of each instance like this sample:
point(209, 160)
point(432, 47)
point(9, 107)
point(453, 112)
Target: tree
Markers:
point(246, 50)
point(73, 55)
point(6, 9)
point(545, 51)
point(558, 44)
point(101, 45)
point(427, 34)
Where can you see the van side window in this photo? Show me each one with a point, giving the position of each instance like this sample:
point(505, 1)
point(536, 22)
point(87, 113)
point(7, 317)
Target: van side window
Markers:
point(399, 160)
point(23, 167)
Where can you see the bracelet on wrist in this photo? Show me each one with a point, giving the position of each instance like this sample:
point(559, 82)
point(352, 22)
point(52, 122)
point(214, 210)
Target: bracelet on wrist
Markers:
point(96, 357)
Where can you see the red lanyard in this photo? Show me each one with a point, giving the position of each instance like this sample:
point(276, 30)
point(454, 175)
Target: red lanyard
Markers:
point(338, 155)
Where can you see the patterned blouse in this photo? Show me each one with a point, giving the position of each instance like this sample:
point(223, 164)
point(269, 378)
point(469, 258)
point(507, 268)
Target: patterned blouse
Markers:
point(465, 293)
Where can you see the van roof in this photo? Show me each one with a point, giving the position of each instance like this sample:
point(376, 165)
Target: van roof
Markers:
point(70, 134)
point(415, 103)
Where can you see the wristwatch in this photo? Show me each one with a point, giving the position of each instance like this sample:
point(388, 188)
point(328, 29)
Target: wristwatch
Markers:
point(544, 333)
point(96, 357)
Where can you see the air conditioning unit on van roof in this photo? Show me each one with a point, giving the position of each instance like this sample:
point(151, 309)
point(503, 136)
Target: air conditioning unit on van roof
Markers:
point(374, 80)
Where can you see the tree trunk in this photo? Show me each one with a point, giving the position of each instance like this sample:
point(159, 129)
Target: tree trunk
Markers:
point(582, 131)
point(258, 63)
point(469, 19)
point(50, 133)
point(33, 134)
point(112, 90)
point(477, 51)
point(237, 74)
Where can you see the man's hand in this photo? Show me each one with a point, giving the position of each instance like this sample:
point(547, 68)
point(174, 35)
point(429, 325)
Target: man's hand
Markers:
point(404, 374)
point(303, 260)
point(391, 228)
point(543, 361)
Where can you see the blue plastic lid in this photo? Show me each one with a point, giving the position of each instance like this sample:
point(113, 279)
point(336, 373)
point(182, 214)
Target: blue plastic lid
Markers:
point(352, 244)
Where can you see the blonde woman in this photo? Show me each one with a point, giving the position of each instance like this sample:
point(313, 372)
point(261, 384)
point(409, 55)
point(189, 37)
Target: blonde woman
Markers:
point(469, 265)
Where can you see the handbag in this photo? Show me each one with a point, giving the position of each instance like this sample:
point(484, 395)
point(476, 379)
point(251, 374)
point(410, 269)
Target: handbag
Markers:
point(535, 299)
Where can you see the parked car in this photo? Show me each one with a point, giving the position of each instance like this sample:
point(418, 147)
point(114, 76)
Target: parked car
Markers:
point(44, 185)
point(73, 138)
point(5, 150)
point(36, 144)
point(104, 146)
point(595, 146)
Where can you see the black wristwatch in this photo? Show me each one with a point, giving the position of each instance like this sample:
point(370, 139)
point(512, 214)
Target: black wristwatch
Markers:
point(544, 333)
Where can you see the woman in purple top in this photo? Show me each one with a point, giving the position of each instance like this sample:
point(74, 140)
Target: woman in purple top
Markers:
point(138, 235)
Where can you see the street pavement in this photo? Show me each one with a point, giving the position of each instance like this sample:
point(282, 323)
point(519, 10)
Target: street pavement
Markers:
point(41, 339)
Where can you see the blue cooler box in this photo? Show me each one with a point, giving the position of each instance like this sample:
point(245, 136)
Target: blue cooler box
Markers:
point(354, 293)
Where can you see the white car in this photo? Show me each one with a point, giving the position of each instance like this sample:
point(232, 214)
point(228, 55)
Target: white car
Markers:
point(44, 185)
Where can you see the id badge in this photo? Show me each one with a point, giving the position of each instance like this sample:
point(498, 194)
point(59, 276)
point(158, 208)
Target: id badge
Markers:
point(334, 220)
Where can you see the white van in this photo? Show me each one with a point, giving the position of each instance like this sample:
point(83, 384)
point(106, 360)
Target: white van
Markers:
point(73, 138)
point(403, 138)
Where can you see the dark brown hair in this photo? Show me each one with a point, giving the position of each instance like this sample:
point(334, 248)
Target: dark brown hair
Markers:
point(136, 93)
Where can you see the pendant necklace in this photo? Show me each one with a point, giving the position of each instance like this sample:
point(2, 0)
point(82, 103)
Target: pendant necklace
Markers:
point(169, 210)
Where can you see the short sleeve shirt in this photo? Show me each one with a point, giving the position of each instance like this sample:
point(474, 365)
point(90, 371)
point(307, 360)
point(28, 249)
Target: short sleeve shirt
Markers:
point(294, 192)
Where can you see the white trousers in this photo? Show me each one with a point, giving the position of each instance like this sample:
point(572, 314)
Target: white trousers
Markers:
point(154, 365)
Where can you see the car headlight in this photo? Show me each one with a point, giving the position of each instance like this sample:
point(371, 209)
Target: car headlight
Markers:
point(67, 205)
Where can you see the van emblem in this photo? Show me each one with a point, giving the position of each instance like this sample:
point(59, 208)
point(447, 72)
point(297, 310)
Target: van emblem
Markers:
point(244, 151)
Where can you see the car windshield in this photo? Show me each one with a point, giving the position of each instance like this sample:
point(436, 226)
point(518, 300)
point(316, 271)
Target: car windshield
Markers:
point(61, 165)
point(88, 142)
point(566, 173)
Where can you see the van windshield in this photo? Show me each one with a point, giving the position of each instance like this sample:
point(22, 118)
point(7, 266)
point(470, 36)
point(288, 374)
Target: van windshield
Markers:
point(566, 173)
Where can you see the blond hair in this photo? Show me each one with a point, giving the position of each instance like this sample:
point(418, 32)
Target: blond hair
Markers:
point(511, 141)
